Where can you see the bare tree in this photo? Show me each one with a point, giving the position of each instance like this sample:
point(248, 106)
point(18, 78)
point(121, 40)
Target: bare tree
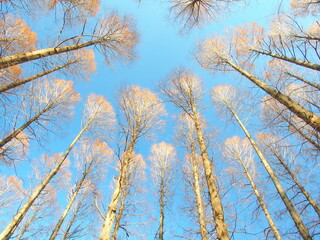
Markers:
point(184, 90)
point(215, 54)
point(141, 110)
point(113, 37)
point(226, 99)
point(187, 137)
point(92, 160)
point(241, 151)
point(98, 116)
point(162, 160)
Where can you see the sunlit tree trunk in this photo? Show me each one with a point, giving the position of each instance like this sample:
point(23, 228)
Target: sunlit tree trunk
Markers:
point(216, 205)
point(114, 202)
point(309, 117)
point(197, 191)
point(294, 178)
point(67, 209)
point(11, 227)
point(24, 81)
point(295, 216)
point(288, 59)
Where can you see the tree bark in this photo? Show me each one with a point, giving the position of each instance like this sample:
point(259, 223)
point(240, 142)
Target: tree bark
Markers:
point(291, 60)
point(261, 202)
point(295, 216)
point(24, 81)
point(162, 204)
point(67, 209)
point(197, 191)
point(11, 227)
point(33, 55)
point(112, 208)
point(216, 205)
point(309, 117)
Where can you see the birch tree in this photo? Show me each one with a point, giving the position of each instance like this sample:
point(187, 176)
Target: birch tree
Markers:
point(184, 90)
point(227, 99)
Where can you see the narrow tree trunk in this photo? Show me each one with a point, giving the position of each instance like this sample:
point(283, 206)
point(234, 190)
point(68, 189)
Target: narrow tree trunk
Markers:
point(24, 81)
point(120, 209)
point(67, 209)
point(299, 131)
point(24, 126)
point(216, 205)
point(294, 178)
point(11, 227)
point(317, 86)
point(112, 208)
point(291, 60)
point(197, 191)
point(261, 202)
point(295, 216)
point(33, 55)
point(309, 117)
point(162, 204)
point(66, 233)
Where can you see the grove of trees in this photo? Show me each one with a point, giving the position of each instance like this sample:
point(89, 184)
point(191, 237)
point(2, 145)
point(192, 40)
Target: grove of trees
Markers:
point(222, 145)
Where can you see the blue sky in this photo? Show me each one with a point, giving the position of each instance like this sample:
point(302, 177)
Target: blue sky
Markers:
point(161, 49)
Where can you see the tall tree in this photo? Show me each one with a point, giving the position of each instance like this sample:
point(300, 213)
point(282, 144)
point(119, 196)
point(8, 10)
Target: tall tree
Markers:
point(141, 110)
point(227, 99)
point(241, 151)
point(48, 101)
point(192, 169)
point(184, 90)
point(113, 37)
point(92, 160)
point(215, 54)
point(98, 116)
point(162, 160)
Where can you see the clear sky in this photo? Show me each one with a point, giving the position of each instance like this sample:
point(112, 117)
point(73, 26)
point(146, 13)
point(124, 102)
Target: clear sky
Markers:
point(161, 49)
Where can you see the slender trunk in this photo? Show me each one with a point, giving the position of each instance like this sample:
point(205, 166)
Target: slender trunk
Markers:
point(67, 209)
point(295, 216)
point(11, 227)
point(33, 55)
point(112, 208)
point(291, 60)
point(162, 204)
point(298, 130)
point(294, 178)
point(309, 117)
point(317, 86)
point(66, 233)
point(261, 202)
point(120, 209)
point(216, 205)
point(24, 126)
point(24, 81)
point(197, 191)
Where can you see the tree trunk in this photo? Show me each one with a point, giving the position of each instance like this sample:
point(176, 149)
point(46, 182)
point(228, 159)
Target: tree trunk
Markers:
point(162, 204)
point(309, 117)
point(317, 86)
point(24, 126)
point(291, 60)
point(261, 202)
point(112, 208)
point(33, 55)
point(66, 211)
point(295, 216)
point(216, 205)
point(11, 227)
point(24, 81)
point(197, 191)
point(294, 178)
